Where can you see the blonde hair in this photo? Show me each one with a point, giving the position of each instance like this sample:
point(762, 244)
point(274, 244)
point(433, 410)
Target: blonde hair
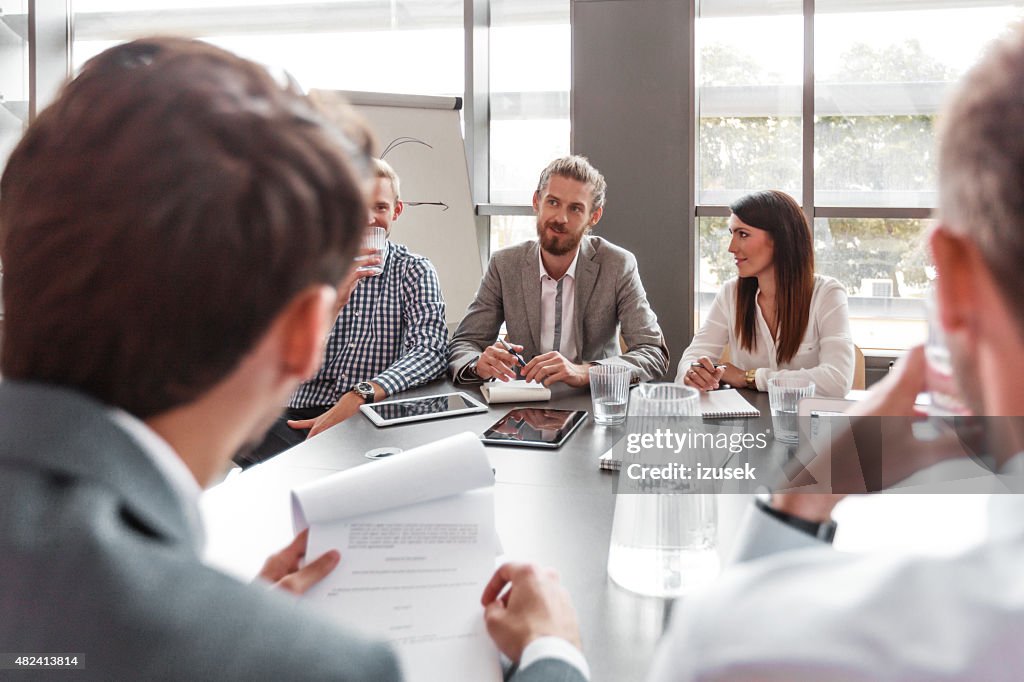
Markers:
point(580, 169)
point(383, 169)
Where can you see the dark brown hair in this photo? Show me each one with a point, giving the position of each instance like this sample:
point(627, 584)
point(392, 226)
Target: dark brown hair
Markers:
point(158, 216)
point(793, 257)
point(981, 163)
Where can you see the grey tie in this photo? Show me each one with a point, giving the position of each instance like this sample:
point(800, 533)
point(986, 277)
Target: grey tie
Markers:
point(558, 316)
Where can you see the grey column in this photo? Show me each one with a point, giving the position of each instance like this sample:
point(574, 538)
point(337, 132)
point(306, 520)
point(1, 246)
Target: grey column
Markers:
point(633, 114)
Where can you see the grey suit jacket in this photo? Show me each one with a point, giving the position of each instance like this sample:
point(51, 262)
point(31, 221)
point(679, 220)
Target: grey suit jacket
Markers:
point(97, 559)
point(609, 298)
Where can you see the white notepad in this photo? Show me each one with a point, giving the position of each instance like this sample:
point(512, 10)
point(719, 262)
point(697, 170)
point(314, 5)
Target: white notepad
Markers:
point(726, 403)
point(518, 391)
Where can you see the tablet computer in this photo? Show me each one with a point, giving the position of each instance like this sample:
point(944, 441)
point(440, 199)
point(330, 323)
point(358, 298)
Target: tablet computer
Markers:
point(534, 427)
point(391, 412)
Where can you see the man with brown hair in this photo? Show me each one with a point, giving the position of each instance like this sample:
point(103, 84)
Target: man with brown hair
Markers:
point(141, 352)
point(564, 297)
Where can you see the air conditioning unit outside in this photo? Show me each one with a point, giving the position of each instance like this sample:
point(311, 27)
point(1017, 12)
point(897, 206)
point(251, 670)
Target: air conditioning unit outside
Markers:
point(878, 288)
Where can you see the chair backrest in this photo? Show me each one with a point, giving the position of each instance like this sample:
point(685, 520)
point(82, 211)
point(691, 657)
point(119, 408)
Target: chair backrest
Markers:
point(859, 373)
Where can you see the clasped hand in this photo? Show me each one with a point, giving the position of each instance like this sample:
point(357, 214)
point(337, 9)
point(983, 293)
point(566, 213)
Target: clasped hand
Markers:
point(497, 363)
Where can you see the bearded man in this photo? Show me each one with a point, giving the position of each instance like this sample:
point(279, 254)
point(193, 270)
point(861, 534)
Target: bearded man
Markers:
point(564, 297)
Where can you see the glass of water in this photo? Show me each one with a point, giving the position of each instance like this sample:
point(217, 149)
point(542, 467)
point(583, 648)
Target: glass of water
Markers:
point(784, 396)
point(377, 239)
point(663, 544)
point(609, 391)
point(944, 396)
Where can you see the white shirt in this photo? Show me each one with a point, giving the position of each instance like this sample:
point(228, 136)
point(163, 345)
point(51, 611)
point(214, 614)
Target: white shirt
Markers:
point(825, 355)
point(548, 293)
point(554, 647)
point(813, 613)
point(169, 464)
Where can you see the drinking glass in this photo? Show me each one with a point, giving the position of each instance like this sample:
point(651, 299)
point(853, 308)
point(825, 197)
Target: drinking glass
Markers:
point(663, 544)
point(784, 396)
point(944, 397)
point(609, 391)
point(376, 238)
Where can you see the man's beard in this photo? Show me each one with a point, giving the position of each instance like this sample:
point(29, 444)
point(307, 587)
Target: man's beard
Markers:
point(551, 243)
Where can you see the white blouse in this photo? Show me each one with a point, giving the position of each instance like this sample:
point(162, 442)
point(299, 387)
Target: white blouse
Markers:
point(825, 355)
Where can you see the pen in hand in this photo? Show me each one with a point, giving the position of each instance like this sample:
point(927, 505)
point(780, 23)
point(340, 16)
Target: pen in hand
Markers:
point(716, 365)
point(517, 356)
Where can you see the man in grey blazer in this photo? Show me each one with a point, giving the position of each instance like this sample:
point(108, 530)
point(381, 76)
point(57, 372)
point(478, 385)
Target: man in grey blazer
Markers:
point(564, 297)
point(140, 353)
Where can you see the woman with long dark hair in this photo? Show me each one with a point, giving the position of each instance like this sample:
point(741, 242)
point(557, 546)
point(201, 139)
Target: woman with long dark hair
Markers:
point(776, 317)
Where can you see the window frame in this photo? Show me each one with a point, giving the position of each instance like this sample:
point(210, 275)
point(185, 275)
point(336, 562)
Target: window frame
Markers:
point(807, 198)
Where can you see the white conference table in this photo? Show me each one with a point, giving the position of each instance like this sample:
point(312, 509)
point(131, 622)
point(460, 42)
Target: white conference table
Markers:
point(553, 507)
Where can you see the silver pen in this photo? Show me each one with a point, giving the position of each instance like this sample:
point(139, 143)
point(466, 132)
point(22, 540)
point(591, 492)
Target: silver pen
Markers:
point(518, 357)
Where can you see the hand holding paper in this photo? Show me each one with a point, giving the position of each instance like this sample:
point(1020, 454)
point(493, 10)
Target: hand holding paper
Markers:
point(282, 570)
point(418, 539)
point(534, 605)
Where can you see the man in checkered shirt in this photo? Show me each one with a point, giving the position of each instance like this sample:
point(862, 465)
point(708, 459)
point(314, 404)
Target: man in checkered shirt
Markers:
point(389, 337)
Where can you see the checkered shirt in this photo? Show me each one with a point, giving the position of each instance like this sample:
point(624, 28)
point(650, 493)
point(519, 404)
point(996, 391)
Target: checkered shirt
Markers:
point(391, 332)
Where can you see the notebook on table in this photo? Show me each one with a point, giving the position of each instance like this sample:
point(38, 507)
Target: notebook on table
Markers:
point(518, 391)
point(726, 403)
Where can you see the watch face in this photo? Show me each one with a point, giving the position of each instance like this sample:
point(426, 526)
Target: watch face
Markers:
point(364, 387)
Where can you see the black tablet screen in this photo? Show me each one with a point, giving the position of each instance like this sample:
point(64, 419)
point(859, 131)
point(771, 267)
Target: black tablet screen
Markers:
point(534, 425)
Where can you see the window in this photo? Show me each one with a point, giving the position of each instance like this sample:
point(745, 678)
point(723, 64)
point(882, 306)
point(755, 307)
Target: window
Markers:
point(14, 83)
point(507, 230)
point(880, 78)
point(530, 55)
point(529, 77)
point(414, 46)
point(749, 71)
point(860, 159)
point(13, 75)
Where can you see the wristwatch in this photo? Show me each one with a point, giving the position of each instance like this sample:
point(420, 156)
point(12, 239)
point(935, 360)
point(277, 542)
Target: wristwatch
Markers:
point(824, 531)
point(751, 376)
point(364, 389)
